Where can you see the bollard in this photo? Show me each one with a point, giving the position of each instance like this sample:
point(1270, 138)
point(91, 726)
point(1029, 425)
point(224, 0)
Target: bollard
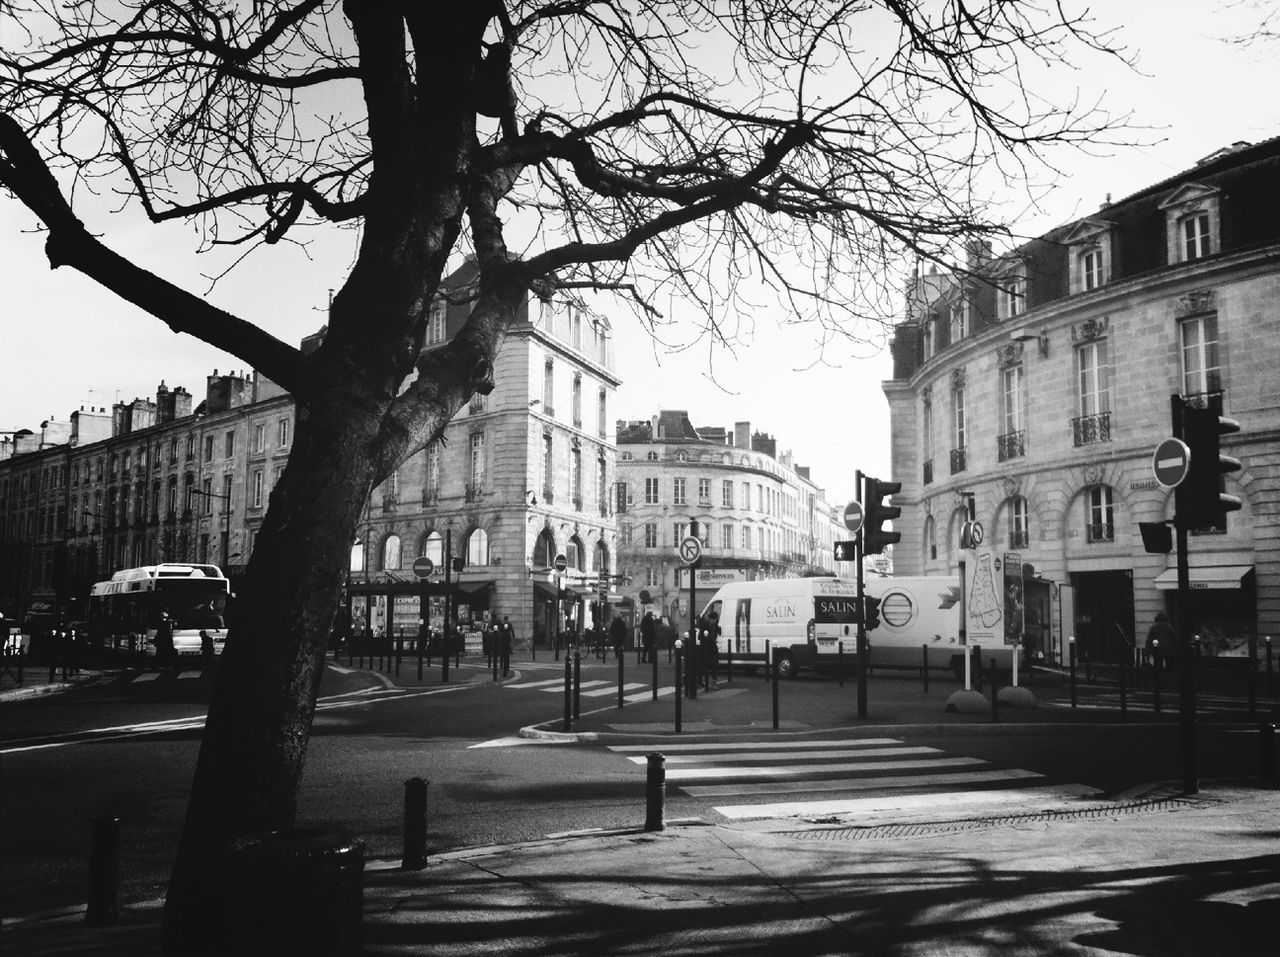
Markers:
point(399, 652)
point(419, 658)
point(621, 659)
point(577, 683)
point(1088, 669)
point(1071, 647)
point(104, 870)
point(493, 657)
point(1268, 641)
point(995, 697)
point(653, 658)
point(350, 652)
point(773, 671)
point(506, 662)
point(568, 692)
point(840, 663)
point(728, 661)
point(976, 655)
point(444, 658)
point(1156, 668)
point(415, 825)
point(679, 695)
point(655, 793)
point(1267, 752)
point(924, 667)
point(457, 654)
point(767, 659)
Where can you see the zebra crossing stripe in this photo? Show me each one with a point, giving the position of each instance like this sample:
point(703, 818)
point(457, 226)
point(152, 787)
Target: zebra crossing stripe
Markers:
point(799, 772)
point(647, 695)
point(1024, 798)
point(629, 686)
point(869, 784)
point(790, 756)
point(783, 749)
point(147, 676)
point(535, 684)
point(189, 674)
point(585, 684)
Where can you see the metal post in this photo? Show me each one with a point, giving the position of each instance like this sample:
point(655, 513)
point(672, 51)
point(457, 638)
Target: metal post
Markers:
point(1268, 641)
point(695, 643)
point(568, 692)
point(399, 650)
point(493, 655)
point(1155, 677)
point(1124, 702)
point(774, 671)
point(577, 682)
point(621, 659)
point(104, 870)
point(840, 663)
point(995, 693)
point(861, 650)
point(1186, 672)
point(655, 792)
point(1267, 752)
point(1252, 679)
point(448, 593)
point(728, 659)
point(679, 695)
point(653, 658)
point(1071, 647)
point(415, 825)
point(767, 659)
point(976, 655)
point(924, 667)
point(1088, 669)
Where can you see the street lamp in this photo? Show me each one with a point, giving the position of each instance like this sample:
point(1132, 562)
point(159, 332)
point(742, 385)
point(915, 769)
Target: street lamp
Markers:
point(225, 498)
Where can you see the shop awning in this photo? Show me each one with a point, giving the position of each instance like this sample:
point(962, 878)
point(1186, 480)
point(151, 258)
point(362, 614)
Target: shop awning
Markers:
point(475, 589)
point(1204, 577)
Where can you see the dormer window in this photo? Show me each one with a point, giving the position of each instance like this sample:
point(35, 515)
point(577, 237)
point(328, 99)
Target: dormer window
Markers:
point(1011, 297)
point(1192, 223)
point(1089, 242)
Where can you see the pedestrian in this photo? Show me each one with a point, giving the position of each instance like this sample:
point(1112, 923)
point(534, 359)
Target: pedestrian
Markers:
point(206, 646)
point(165, 651)
point(618, 635)
point(648, 636)
point(506, 641)
point(708, 649)
point(1161, 641)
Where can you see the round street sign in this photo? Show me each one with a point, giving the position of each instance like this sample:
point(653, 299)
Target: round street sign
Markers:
point(690, 550)
point(424, 567)
point(853, 516)
point(561, 563)
point(1170, 462)
point(976, 533)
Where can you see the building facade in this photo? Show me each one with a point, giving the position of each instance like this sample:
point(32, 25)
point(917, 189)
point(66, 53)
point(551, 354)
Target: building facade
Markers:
point(521, 476)
point(1037, 383)
point(758, 514)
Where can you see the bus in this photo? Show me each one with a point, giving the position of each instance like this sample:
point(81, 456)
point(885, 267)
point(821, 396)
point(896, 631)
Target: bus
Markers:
point(129, 608)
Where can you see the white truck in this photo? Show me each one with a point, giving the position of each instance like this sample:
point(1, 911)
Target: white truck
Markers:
point(808, 621)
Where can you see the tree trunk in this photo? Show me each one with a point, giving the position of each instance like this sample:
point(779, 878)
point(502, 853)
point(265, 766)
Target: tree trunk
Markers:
point(254, 744)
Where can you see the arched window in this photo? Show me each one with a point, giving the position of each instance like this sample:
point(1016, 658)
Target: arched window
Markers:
point(574, 554)
point(602, 558)
point(357, 557)
point(391, 553)
point(1019, 522)
point(544, 550)
point(930, 541)
point(432, 547)
point(478, 547)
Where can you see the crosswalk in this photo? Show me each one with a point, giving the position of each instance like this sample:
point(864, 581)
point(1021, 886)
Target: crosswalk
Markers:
point(771, 779)
point(631, 690)
point(1143, 700)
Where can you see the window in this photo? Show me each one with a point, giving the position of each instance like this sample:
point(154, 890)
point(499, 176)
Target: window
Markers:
point(575, 476)
point(173, 451)
point(602, 414)
point(1101, 527)
point(356, 561)
point(652, 577)
point(726, 493)
point(575, 323)
point(726, 536)
point(436, 322)
point(208, 449)
point(746, 495)
point(230, 444)
point(391, 553)
point(1200, 369)
point(1011, 297)
point(433, 472)
point(650, 534)
point(678, 492)
point(433, 548)
point(958, 321)
point(926, 339)
point(259, 438)
point(930, 541)
point(1011, 441)
point(746, 536)
point(958, 429)
point(576, 401)
point(624, 534)
point(282, 433)
point(704, 491)
point(225, 504)
point(207, 497)
point(602, 485)
point(548, 388)
point(477, 459)
point(124, 467)
point(1195, 237)
point(1019, 529)
point(1094, 421)
point(651, 491)
point(926, 427)
point(191, 451)
point(1090, 269)
point(679, 531)
point(478, 547)
point(257, 488)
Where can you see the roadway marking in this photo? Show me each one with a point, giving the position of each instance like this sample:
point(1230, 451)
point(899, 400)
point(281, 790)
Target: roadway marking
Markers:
point(147, 676)
point(630, 686)
point(1022, 797)
point(871, 784)
point(755, 745)
point(792, 755)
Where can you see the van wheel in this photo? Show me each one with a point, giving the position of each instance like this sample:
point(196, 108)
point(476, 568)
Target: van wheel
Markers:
point(785, 664)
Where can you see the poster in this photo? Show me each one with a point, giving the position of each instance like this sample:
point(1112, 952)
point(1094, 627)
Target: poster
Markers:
point(984, 600)
point(1014, 600)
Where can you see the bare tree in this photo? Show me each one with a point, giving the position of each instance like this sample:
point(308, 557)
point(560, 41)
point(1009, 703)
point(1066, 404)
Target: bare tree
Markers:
point(645, 147)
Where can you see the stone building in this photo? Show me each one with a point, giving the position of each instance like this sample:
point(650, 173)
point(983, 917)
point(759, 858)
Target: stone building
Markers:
point(522, 476)
point(1038, 382)
point(759, 515)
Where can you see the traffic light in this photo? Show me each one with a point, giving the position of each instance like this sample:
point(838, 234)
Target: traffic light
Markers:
point(870, 612)
point(846, 551)
point(876, 513)
point(1202, 503)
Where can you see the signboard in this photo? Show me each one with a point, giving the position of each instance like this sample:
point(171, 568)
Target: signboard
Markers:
point(561, 563)
point(983, 600)
point(833, 610)
point(710, 578)
point(1014, 600)
point(853, 516)
point(423, 567)
point(1170, 461)
point(690, 550)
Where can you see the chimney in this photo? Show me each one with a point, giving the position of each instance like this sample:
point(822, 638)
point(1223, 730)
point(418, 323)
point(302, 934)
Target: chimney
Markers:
point(742, 435)
point(90, 425)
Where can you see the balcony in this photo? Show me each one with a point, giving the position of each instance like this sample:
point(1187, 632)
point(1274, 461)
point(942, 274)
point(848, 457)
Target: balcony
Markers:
point(1212, 401)
point(474, 491)
point(1020, 539)
point(604, 509)
point(548, 495)
point(1011, 445)
point(577, 503)
point(1088, 429)
point(1100, 533)
point(959, 461)
point(928, 471)
point(431, 496)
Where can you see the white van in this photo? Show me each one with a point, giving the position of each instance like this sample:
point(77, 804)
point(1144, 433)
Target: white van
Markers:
point(804, 618)
point(917, 613)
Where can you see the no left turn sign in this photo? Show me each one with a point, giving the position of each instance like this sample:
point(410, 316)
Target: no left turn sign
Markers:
point(690, 550)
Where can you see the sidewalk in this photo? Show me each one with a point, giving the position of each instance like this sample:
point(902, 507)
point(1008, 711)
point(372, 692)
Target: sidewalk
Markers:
point(1160, 875)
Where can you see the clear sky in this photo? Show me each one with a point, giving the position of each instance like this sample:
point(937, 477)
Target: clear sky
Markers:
point(65, 343)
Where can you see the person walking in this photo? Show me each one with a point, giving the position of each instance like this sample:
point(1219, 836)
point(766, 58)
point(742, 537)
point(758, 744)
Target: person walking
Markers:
point(618, 635)
point(506, 641)
point(709, 649)
point(1161, 641)
point(648, 636)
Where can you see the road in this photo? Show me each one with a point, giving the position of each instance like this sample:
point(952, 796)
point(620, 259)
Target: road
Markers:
point(127, 747)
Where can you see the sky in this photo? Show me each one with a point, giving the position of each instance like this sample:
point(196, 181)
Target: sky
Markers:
point(65, 343)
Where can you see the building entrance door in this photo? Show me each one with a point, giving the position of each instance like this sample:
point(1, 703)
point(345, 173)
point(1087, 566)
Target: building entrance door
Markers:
point(1104, 615)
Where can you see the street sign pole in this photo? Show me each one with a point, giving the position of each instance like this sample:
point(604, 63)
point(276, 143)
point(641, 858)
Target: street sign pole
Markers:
point(1186, 669)
point(694, 655)
point(862, 618)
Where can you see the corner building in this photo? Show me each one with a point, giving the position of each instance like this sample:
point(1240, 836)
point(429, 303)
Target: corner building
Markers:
point(1039, 380)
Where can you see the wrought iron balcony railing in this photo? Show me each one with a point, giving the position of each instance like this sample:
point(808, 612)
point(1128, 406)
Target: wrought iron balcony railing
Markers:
point(928, 471)
point(959, 461)
point(1011, 445)
point(1088, 429)
point(1100, 533)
